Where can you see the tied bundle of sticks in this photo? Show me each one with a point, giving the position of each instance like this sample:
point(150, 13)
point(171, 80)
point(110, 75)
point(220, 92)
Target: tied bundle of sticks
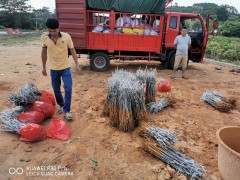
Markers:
point(219, 101)
point(148, 79)
point(27, 94)
point(159, 142)
point(125, 101)
point(155, 107)
point(9, 121)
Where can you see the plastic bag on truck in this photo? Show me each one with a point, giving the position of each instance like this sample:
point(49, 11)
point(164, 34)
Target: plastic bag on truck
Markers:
point(118, 31)
point(138, 31)
point(164, 86)
point(147, 32)
point(48, 97)
point(58, 129)
point(127, 20)
point(127, 31)
point(135, 22)
point(153, 33)
point(31, 117)
point(46, 108)
point(119, 22)
point(32, 133)
point(99, 28)
point(106, 30)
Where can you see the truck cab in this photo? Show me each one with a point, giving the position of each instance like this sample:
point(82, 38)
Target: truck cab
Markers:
point(197, 30)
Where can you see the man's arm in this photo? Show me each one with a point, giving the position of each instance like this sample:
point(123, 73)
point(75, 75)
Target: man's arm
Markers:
point(74, 55)
point(176, 42)
point(73, 52)
point(44, 60)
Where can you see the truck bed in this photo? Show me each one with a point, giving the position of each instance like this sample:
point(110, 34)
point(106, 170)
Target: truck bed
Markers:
point(76, 20)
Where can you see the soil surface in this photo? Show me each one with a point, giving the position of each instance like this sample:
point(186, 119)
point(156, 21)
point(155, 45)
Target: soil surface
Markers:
point(96, 150)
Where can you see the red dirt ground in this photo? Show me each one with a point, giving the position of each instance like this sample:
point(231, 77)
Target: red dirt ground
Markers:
point(118, 154)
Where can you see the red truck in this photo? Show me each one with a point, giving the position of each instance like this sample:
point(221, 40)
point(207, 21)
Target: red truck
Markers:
point(129, 31)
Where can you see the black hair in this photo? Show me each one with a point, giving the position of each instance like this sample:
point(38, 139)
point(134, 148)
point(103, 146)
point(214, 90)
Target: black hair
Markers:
point(52, 23)
point(184, 27)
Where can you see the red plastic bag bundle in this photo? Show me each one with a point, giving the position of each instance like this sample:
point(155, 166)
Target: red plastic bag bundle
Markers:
point(58, 129)
point(50, 96)
point(32, 133)
point(43, 107)
point(164, 86)
point(31, 117)
point(45, 98)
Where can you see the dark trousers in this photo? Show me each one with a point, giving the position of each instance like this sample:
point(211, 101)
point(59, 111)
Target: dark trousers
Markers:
point(56, 76)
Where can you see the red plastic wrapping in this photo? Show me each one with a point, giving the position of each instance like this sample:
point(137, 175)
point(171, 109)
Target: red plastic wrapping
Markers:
point(43, 107)
point(50, 96)
point(58, 129)
point(31, 117)
point(164, 86)
point(32, 133)
point(45, 98)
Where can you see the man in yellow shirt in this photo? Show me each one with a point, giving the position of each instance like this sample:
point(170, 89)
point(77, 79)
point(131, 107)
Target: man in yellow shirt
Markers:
point(56, 45)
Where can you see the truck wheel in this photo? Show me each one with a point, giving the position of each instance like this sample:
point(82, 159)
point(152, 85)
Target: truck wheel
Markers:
point(172, 62)
point(99, 61)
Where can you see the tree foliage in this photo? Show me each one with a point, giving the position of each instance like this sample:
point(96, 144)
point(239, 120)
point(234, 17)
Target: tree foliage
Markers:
point(231, 28)
point(18, 14)
point(41, 16)
point(228, 16)
point(222, 13)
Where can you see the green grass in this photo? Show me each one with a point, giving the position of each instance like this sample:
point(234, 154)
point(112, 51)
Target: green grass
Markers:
point(224, 49)
point(16, 40)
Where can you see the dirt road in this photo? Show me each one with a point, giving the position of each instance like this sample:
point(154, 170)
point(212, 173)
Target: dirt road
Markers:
point(99, 151)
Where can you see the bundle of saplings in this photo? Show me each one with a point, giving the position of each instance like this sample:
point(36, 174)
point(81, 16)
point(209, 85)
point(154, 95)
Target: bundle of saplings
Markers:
point(125, 100)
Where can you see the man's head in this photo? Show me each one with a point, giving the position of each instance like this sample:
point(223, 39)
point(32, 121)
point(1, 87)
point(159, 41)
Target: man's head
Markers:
point(53, 27)
point(184, 31)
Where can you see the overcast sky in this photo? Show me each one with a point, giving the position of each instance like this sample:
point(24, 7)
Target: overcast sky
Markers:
point(51, 3)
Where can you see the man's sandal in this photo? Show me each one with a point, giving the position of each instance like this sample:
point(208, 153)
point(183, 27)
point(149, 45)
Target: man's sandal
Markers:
point(68, 116)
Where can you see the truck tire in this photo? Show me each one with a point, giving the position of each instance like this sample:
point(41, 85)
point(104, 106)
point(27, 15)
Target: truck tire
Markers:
point(99, 61)
point(172, 62)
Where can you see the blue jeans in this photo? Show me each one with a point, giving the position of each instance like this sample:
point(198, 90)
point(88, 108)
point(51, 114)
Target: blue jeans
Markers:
point(56, 84)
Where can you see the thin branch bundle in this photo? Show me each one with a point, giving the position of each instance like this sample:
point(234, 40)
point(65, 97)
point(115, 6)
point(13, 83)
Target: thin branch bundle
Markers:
point(9, 120)
point(163, 136)
point(27, 94)
point(148, 77)
point(125, 100)
point(159, 142)
point(230, 100)
point(155, 107)
point(219, 101)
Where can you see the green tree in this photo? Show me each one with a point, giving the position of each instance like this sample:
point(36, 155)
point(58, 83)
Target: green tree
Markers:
point(12, 12)
point(222, 13)
point(231, 27)
point(204, 8)
point(41, 16)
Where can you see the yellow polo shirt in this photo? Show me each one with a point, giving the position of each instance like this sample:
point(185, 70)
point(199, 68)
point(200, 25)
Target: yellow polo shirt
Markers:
point(58, 52)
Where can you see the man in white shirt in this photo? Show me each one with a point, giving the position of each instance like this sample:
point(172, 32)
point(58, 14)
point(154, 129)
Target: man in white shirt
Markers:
point(182, 43)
